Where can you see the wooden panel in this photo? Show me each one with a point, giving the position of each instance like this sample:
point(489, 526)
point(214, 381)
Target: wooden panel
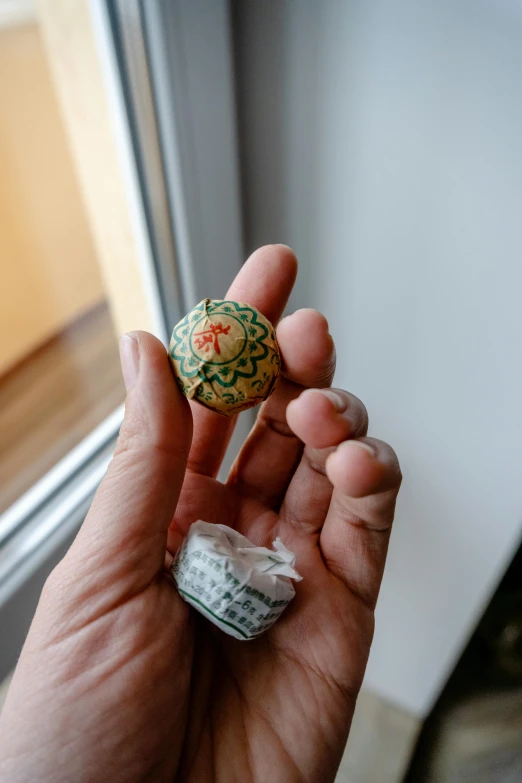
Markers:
point(74, 59)
point(49, 273)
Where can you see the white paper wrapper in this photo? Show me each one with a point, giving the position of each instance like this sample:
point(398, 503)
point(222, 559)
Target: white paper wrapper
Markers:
point(241, 588)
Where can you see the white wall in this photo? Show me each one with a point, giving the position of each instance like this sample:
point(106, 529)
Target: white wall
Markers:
point(383, 140)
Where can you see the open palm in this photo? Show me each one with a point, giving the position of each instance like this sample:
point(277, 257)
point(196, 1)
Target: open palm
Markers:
point(142, 685)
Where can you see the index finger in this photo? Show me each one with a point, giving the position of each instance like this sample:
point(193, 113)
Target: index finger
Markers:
point(265, 281)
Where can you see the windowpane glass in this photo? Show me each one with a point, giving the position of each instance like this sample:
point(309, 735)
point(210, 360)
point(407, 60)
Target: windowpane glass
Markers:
point(59, 368)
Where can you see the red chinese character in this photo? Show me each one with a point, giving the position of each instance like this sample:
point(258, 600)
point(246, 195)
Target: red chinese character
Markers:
point(211, 335)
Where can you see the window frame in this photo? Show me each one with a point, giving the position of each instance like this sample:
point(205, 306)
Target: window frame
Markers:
point(149, 221)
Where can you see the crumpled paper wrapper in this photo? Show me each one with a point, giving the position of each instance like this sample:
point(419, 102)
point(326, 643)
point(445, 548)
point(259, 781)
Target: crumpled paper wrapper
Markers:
point(241, 588)
point(225, 355)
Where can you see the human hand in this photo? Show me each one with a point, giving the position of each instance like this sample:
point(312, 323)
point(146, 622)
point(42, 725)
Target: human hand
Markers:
point(119, 680)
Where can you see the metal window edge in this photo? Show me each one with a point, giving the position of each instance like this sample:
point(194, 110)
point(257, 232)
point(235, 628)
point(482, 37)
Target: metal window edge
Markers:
point(119, 118)
point(23, 509)
point(191, 67)
point(51, 523)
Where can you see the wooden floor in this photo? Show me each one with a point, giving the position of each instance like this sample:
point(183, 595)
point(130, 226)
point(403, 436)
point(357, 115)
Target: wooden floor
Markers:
point(53, 399)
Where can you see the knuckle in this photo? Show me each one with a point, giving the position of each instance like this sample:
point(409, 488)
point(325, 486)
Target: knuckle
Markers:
point(327, 372)
point(138, 442)
point(316, 458)
point(357, 412)
point(275, 424)
point(372, 517)
point(56, 586)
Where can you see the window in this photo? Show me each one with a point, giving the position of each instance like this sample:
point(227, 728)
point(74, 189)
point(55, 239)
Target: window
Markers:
point(120, 201)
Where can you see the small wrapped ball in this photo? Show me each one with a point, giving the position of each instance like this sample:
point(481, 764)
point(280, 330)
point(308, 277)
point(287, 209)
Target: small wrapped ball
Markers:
point(225, 356)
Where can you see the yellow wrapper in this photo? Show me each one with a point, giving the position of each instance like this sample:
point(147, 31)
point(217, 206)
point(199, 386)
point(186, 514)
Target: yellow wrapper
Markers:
point(225, 355)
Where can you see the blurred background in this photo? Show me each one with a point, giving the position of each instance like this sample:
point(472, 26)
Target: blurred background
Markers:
point(59, 367)
point(146, 148)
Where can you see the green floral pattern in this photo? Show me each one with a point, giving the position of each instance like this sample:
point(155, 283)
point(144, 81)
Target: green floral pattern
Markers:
point(258, 346)
point(225, 355)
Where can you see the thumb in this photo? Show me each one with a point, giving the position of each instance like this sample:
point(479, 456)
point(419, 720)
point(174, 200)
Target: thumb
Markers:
point(124, 535)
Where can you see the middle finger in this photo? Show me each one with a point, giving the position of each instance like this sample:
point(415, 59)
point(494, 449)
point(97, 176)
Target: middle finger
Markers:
point(272, 451)
point(323, 425)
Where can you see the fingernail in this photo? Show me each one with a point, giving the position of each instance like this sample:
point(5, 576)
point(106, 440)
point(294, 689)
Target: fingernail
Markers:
point(361, 444)
point(130, 360)
point(340, 402)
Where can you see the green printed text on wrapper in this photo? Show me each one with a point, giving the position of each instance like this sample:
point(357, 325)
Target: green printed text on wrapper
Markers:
point(241, 588)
